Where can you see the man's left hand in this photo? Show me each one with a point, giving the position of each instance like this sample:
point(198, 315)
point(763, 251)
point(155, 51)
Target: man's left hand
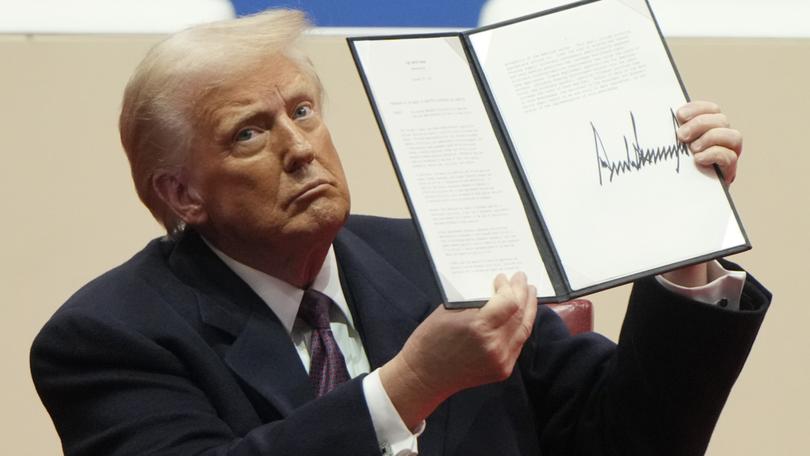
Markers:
point(709, 135)
point(707, 131)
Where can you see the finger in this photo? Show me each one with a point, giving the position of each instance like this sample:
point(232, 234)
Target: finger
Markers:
point(716, 155)
point(695, 108)
point(519, 286)
point(723, 157)
point(523, 328)
point(697, 126)
point(725, 137)
point(508, 300)
point(500, 281)
point(502, 306)
point(529, 314)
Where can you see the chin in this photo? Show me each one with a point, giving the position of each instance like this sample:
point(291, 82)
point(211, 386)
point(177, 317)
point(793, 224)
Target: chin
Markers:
point(322, 219)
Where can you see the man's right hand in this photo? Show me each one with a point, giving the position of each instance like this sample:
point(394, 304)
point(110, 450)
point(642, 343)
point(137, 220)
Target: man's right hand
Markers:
point(457, 349)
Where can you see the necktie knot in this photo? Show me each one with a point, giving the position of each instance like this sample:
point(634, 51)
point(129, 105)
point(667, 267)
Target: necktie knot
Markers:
point(314, 309)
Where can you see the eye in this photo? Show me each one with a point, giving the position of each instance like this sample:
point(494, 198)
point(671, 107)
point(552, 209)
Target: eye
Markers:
point(303, 110)
point(245, 134)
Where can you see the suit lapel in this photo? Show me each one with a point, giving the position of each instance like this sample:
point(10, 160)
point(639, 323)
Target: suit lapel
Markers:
point(262, 354)
point(386, 308)
point(264, 357)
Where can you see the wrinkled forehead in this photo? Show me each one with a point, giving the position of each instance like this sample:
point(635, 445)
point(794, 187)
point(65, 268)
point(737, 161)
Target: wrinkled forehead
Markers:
point(279, 74)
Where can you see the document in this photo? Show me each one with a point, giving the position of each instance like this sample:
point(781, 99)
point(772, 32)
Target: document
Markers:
point(546, 145)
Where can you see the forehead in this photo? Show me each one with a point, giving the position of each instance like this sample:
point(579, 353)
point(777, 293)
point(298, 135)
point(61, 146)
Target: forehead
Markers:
point(257, 83)
point(278, 71)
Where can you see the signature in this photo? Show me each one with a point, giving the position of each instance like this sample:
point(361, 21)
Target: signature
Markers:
point(637, 156)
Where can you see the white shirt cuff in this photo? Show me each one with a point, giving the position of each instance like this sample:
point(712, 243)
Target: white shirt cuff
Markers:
point(393, 436)
point(724, 287)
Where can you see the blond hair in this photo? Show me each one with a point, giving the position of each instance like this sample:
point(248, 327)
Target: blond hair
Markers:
point(156, 122)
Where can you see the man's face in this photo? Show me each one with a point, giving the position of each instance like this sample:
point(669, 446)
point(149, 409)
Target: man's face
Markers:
point(263, 164)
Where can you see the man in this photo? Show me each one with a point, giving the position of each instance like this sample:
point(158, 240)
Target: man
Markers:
point(219, 340)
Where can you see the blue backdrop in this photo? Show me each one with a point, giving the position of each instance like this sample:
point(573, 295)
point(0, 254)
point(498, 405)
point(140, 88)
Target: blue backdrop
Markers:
point(376, 13)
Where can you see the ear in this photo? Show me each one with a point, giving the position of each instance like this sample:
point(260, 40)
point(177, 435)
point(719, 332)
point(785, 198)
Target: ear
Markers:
point(172, 187)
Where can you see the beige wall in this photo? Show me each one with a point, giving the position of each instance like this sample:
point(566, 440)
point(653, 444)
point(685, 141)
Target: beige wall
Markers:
point(69, 211)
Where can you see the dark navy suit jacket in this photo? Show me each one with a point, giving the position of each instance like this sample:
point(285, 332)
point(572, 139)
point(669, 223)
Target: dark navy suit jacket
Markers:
point(172, 354)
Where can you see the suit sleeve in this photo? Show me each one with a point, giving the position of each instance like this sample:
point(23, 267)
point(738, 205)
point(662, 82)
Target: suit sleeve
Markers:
point(113, 391)
point(659, 391)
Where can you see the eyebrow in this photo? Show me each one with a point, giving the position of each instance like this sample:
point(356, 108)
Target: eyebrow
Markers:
point(228, 117)
point(233, 113)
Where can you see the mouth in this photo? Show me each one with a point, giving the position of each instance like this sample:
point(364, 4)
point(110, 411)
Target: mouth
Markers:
point(310, 189)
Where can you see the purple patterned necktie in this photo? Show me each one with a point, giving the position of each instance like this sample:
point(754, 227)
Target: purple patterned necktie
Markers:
point(327, 368)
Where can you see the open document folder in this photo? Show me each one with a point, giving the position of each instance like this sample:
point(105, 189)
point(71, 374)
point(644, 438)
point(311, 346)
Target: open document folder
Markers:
point(547, 144)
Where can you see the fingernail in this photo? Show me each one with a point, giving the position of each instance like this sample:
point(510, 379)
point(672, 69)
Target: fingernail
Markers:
point(683, 133)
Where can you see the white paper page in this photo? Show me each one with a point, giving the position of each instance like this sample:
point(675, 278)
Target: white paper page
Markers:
point(455, 173)
point(580, 91)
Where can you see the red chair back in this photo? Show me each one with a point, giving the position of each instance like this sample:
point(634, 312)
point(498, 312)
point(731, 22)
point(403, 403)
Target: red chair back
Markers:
point(577, 314)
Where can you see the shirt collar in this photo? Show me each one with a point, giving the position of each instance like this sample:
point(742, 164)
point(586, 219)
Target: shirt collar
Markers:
point(283, 298)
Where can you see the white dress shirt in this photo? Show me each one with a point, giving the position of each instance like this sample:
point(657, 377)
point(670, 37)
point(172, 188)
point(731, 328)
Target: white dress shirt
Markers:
point(393, 436)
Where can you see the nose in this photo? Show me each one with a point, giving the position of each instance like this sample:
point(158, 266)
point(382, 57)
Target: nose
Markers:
point(293, 144)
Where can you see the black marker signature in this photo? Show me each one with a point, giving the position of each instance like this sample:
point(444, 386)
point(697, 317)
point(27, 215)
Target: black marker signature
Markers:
point(640, 156)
